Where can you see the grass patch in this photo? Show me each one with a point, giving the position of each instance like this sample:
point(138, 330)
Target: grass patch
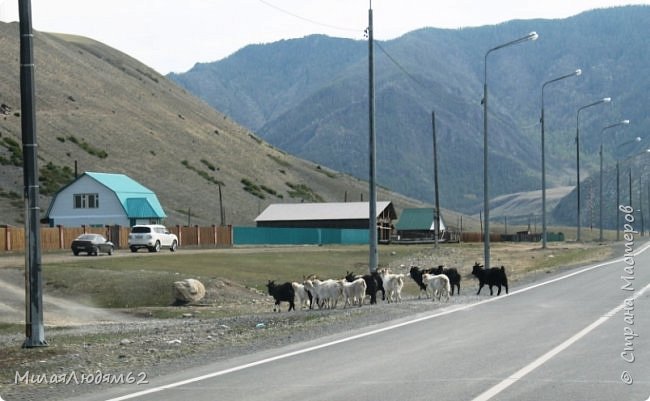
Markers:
point(146, 280)
point(326, 172)
point(568, 257)
point(10, 195)
point(148, 75)
point(280, 161)
point(205, 175)
point(521, 259)
point(252, 188)
point(88, 147)
point(209, 165)
point(271, 191)
point(53, 177)
point(255, 138)
point(15, 152)
point(11, 328)
point(303, 192)
point(115, 289)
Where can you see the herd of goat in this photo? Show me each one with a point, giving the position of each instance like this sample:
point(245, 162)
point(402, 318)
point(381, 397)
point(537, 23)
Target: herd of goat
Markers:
point(437, 283)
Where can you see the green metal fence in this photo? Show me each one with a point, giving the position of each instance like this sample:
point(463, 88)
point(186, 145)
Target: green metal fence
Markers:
point(298, 236)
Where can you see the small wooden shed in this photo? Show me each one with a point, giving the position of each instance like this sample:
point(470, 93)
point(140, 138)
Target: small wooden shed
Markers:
point(418, 224)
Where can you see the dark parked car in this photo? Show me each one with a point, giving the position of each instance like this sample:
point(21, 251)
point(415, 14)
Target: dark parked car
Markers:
point(92, 244)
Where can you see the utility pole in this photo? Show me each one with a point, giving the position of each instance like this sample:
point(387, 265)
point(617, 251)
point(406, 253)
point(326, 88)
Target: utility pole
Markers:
point(641, 207)
point(648, 209)
point(222, 214)
point(34, 330)
point(436, 212)
point(629, 176)
point(372, 229)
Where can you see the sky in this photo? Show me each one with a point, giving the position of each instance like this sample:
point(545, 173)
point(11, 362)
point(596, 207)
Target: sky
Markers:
point(173, 35)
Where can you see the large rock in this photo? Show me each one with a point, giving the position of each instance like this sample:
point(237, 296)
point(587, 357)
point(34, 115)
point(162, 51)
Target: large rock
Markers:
point(188, 291)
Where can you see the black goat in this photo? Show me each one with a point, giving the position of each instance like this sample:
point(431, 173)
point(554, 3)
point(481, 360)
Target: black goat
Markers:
point(494, 276)
point(380, 284)
point(452, 274)
point(416, 274)
point(282, 292)
point(373, 284)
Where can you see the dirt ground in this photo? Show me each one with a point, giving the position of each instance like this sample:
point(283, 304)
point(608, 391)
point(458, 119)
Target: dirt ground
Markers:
point(59, 311)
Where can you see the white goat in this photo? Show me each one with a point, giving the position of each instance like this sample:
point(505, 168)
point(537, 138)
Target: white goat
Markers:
point(353, 292)
point(301, 295)
point(327, 292)
point(393, 284)
point(311, 288)
point(438, 284)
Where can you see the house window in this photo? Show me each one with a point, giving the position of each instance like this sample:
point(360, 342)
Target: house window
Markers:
point(86, 201)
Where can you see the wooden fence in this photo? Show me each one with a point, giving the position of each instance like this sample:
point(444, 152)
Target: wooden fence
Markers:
point(53, 238)
point(12, 239)
point(478, 237)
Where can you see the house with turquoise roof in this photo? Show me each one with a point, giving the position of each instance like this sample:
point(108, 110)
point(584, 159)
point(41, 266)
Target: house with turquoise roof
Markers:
point(100, 199)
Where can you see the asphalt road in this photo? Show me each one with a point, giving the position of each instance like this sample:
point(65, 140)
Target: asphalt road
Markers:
point(558, 340)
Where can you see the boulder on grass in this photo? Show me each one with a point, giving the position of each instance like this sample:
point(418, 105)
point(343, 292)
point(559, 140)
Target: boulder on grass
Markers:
point(188, 291)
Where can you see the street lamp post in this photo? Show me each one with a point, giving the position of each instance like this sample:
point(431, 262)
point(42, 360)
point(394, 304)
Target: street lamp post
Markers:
point(600, 195)
point(486, 196)
point(573, 74)
point(603, 100)
point(629, 186)
point(618, 202)
point(618, 186)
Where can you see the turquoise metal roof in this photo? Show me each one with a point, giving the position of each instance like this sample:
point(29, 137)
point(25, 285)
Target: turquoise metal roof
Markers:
point(139, 208)
point(415, 219)
point(137, 200)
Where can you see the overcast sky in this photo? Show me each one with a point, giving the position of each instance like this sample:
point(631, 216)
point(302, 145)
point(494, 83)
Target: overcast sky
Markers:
point(172, 35)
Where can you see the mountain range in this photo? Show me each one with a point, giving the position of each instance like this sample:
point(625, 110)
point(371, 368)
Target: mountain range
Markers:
point(309, 97)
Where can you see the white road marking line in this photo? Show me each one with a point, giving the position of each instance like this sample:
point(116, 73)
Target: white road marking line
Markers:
point(490, 393)
point(367, 334)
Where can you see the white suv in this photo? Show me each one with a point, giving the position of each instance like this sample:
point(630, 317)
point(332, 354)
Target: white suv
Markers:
point(153, 237)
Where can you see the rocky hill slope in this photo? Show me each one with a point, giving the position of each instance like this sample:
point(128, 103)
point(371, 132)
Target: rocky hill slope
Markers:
point(308, 96)
point(101, 110)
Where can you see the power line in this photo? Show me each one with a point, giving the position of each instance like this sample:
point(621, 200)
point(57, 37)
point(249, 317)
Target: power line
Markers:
point(391, 58)
point(311, 21)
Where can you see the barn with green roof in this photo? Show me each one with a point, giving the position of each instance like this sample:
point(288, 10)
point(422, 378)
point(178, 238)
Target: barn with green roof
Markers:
point(418, 224)
point(100, 199)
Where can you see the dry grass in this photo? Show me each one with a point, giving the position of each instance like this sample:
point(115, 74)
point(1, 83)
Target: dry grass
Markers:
point(235, 278)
